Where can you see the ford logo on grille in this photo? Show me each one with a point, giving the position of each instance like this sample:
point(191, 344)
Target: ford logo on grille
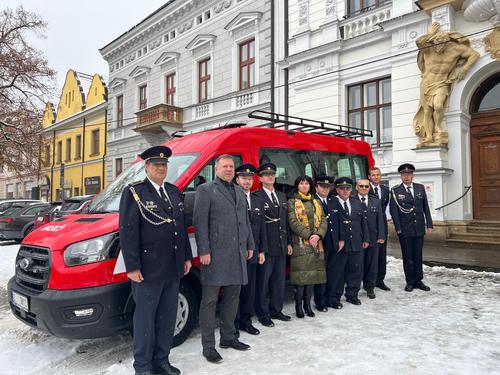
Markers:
point(24, 264)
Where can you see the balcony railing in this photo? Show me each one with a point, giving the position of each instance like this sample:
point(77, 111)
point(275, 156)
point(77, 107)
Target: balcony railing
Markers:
point(365, 22)
point(159, 118)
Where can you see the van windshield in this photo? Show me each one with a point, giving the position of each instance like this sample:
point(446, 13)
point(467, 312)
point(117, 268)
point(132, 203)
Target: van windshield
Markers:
point(109, 199)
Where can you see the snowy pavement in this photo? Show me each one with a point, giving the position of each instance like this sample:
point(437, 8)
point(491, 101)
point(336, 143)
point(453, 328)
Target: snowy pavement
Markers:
point(454, 329)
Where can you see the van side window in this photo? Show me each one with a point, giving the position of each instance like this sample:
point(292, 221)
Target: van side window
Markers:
point(207, 173)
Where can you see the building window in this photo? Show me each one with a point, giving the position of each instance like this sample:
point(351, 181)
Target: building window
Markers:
point(78, 147)
point(118, 166)
point(143, 100)
point(355, 7)
point(369, 107)
point(247, 64)
point(203, 80)
point(95, 142)
point(47, 155)
point(170, 88)
point(76, 191)
point(68, 150)
point(59, 152)
point(119, 111)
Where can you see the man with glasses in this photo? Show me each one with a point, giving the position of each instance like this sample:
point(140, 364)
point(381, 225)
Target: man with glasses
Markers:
point(411, 214)
point(375, 220)
point(382, 193)
point(157, 253)
point(356, 239)
point(271, 292)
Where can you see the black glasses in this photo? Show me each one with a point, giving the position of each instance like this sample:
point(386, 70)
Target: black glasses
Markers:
point(364, 186)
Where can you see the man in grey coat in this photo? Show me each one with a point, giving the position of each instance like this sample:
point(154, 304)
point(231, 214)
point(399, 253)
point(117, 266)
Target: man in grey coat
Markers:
point(224, 242)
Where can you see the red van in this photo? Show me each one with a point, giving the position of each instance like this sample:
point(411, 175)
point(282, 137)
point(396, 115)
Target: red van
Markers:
point(70, 278)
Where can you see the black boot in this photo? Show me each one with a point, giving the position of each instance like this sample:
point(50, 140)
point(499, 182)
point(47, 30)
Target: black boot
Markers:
point(299, 295)
point(308, 293)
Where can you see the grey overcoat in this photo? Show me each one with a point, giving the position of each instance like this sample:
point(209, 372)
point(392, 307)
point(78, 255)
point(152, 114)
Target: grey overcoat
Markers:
point(223, 230)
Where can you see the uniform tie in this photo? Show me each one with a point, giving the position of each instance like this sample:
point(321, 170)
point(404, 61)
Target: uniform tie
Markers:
point(346, 208)
point(363, 202)
point(376, 191)
point(164, 197)
point(408, 189)
point(273, 198)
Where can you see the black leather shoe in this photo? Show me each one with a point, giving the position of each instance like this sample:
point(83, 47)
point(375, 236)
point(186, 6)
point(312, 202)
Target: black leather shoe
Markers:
point(353, 300)
point(321, 308)
point(212, 355)
point(166, 369)
point(370, 293)
point(266, 321)
point(382, 286)
point(422, 286)
point(249, 328)
point(143, 373)
point(237, 333)
point(336, 305)
point(409, 288)
point(235, 344)
point(281, 316)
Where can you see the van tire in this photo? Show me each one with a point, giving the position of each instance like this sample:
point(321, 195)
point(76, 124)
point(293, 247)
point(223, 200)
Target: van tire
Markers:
point(28, 231)
point(187, 307)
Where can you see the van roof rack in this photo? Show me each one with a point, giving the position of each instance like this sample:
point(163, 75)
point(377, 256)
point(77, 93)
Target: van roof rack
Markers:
point(293, 123)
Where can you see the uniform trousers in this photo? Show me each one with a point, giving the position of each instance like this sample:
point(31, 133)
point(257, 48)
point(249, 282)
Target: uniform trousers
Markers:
point(411, 247)
point(247, 297)
point(353, 273)
point(228, 309)
point(154, 322)
point(273, 292)
point(382, 262)
point(370, 266)
point(335, 276)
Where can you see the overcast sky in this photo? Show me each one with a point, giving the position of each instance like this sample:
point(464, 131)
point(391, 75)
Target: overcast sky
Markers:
point(77, 29)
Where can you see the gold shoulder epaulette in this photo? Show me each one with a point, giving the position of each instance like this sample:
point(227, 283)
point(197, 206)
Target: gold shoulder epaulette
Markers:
point(136, 183)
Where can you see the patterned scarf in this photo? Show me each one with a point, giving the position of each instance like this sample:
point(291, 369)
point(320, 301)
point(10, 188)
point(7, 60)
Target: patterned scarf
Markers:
point(301, 215)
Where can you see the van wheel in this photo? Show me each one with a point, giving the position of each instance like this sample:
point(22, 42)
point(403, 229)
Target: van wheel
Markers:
point(187, 314)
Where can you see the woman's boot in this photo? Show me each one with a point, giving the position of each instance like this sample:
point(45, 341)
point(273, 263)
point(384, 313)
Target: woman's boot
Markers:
point(299, 295)
point(308, 292)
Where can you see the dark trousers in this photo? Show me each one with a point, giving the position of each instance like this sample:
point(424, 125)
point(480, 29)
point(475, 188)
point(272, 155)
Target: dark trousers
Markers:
point(353, 273)
point(335, 276)
point(370, 266)
point(321, 289)
point(382, 262)
point(411, 247)
point(273, 292)
point(154, 322)
point(247, 298)
point(227, 313)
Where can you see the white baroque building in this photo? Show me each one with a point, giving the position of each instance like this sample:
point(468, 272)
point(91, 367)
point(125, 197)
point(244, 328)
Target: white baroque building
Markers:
point(354, 62)
point(190, 65)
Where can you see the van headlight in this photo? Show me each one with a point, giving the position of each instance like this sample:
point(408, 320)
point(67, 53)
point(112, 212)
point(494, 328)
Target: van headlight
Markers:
point(90, 251)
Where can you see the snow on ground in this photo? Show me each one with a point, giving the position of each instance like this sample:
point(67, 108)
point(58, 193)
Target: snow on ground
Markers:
point(454, 329)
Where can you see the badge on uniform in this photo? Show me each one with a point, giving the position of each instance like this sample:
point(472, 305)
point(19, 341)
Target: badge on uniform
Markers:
point(401, 196)
point(418, 195)
point(181, 206)
point(151, 205)
point(257, 209)
point(266, 206)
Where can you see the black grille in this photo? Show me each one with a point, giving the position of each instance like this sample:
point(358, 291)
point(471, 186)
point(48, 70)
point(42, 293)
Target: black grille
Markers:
point(33, 268)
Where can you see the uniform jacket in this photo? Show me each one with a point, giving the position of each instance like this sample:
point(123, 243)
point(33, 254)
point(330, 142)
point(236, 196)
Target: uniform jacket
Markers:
point(356, 227)
point(374, 218)
point(410, 224)
point(278, 232)
point(256, 215)
point(336, 230)
point(159, 251)
point(223, 230)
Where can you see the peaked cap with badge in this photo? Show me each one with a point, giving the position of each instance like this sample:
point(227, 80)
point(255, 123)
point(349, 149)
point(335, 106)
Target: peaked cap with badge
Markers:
point(267, 168)
point(156, 154)
point(324, 180)
point(406, 168)
point(245, 170)
point(343, 181)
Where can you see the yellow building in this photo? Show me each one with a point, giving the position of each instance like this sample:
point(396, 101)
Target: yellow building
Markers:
point(74, 149)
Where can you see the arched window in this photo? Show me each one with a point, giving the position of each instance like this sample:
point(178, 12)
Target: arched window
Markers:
point(487, 96)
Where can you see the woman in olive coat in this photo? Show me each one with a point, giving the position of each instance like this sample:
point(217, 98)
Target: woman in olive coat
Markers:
point(308, 224)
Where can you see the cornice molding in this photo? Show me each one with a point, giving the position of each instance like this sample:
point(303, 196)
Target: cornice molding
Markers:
point(200, 40)
point(243, 19)
point(117, 82)
point(139, 71)
point(166, 57)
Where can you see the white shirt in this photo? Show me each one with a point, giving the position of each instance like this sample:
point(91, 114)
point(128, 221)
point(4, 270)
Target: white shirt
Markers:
point(411, 189)
point(270, 193)
point(323, 200)
point(361, 200)
point(157, 188)
point(342, 203)
point(248, 199)
point(379, 190)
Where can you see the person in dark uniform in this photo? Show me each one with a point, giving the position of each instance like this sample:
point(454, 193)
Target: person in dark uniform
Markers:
point(333, 243)
point(382, 193)
point(411, 214)
point(272, 290)
point(244, 178)
point(357, 238)
point(375, 220)
point(157, 253)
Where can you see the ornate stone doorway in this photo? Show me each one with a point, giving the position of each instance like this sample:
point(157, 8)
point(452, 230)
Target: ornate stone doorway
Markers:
point(485, 150)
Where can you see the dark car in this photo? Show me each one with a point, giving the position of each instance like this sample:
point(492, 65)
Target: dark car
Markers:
point(7, 203)
point(71, 205)
point(18, 223)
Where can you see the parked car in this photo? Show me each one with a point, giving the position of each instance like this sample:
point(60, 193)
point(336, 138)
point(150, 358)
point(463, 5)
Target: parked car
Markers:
point(45, 216)
point(71, 205)
point(20, 222)
point(7, 203)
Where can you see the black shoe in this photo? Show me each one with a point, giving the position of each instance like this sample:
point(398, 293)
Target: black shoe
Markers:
point(422, 286)
point(166, 369)
point(282, 317)
point(353, 300)
point(299, 311)
point(370, 293)
point(409, 288)
point(321, 308)
point(237, 333)
point(336, 305)
point(381, 285)
point(266, 321)
point(235, 344)
point(212, 355)
point(307, 309)
point(143, 373)
point(249, 328)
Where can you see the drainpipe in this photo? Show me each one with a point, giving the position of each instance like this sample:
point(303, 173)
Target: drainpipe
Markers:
point(105, 148)
point(286, 102)
point(53, 163)
point(272, 57)
point(83, 155)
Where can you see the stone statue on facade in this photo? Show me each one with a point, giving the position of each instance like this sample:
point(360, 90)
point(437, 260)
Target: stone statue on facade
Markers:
point(492, 43)
point(444, 57)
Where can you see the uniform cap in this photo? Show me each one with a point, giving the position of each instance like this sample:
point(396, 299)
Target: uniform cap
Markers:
point(245, 170)
point(156, 154)
point(325, 180)
point(406, 168)
point(343, 181)
point(267, 167)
